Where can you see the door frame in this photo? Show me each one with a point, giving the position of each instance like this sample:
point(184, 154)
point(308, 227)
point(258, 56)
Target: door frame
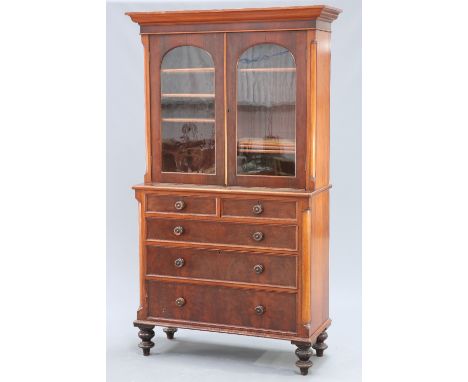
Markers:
point(237, 44)
point(213, 43)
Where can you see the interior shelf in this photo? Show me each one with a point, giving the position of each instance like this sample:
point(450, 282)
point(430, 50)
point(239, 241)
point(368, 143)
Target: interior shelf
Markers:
point(211, 70)
point(188, 70)
point(267, 70)
point(181, 120)
point(259, 151)
point(266, 146)
point(187, 95)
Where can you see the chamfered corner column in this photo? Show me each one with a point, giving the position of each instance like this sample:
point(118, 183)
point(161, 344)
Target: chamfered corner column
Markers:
point(320, 344)
point(170, 332)
point(303, 352)
point(146, 333)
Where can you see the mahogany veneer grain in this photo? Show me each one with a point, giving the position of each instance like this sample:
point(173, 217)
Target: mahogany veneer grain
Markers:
point(200, 266)
point(230, 306)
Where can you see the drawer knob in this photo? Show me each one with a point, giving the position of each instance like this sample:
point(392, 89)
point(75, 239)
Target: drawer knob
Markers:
point(259, 268)
point(257, 236)
point(260, 310)
point(257, 209)
point(179, 230)
point(180, 302)
point(179, 263)
point(179, 205)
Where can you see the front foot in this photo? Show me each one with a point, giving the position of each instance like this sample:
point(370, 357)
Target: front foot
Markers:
point(170, 332)
point(146, 333)
point(304, 353)
point(320, 344)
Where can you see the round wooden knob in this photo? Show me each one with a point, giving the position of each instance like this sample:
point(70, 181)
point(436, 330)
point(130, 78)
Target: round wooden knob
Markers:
point(259, 268)
point(260, 310)
point(180, 302)
point(179, 230)
point(257, 209)
point(179, 205)
point(179, 263)
point(257, 236)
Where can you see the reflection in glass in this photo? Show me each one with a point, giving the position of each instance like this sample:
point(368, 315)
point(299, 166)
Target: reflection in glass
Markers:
point(266, 108)
point(187, 111)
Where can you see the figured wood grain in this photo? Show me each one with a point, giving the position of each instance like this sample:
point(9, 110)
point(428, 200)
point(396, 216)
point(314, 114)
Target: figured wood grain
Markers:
point(217, 279)
point(221, 265)
point(199, 205)
point(215, 232)
point(257, 26)
point(236, 307)
point(319, 260)
point(273, 209)
point(310, 12)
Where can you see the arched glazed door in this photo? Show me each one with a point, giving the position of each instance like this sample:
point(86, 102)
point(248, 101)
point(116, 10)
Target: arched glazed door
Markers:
point(266, 113)
point(187, 109)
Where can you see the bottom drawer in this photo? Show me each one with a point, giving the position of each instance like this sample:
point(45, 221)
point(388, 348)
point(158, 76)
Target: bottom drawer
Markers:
point(221, 305)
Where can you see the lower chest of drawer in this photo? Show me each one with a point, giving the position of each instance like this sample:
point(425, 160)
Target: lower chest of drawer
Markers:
point(268, 269)
point(222, 306)
point(224, 233)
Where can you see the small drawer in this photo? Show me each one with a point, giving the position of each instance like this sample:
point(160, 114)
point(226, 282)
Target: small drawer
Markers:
point(274, 209)
point(195, 205)
point(222, 305)
point(241, 234)
point(222, 265)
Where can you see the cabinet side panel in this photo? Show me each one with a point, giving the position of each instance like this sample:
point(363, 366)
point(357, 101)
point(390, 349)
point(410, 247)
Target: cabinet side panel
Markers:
point(319, 259)
point(322, 138)
point(143, 308)
point(146, 59)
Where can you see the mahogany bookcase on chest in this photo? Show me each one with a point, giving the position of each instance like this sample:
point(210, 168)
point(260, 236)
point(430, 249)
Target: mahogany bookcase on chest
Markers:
point(234, 209)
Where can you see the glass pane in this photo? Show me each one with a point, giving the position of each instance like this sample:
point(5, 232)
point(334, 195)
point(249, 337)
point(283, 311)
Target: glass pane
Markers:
point(188, 111)
point(266, 111)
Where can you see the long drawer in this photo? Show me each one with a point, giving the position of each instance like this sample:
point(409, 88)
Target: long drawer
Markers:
point(220, 305)
point(216, 232)
point(265, 269)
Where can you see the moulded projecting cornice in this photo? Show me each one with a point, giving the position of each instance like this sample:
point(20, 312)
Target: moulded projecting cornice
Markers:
point(313, 12)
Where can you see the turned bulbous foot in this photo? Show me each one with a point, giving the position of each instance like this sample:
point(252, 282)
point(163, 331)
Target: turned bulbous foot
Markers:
point(170, 332)
point(303, 352)
point(146, 333)
point(320, 344)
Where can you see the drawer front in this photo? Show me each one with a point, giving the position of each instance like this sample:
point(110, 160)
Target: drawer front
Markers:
point(275, 209)
point(253, 235)
point(196, 205)
point(220, 305)
point(222, 265)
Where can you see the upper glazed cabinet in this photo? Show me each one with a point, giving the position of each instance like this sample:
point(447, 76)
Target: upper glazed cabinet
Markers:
point(233, 109)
